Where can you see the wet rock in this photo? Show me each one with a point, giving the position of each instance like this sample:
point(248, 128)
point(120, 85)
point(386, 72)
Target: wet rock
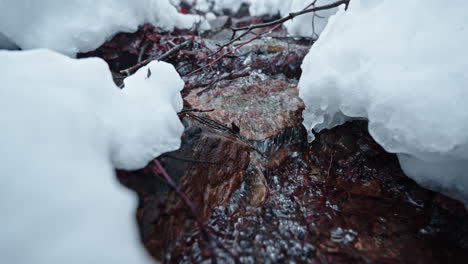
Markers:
point(209, 168)
point(260, 106)
point(256, 185)
point(369, 188)
point(324, 207)
point(221, 163)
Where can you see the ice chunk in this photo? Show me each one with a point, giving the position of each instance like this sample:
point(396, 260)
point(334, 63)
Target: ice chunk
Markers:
point(74, 26)
point(403, 66)
point(64, 127)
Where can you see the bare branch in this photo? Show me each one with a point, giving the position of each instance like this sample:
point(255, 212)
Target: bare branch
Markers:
point(293, 15)
point(175, 49)
point(274, 24)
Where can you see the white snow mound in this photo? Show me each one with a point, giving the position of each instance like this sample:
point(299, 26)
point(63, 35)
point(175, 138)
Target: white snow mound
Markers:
point(402, 65)
point(72, 26)
point(64, 127)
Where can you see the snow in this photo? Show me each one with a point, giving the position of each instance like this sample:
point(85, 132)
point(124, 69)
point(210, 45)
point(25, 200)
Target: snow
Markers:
point(82, 25)
point(308, 25)
point(64, 127)
point(403, 66)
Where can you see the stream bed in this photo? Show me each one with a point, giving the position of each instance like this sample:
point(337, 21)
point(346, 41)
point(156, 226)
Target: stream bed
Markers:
point(263, 193)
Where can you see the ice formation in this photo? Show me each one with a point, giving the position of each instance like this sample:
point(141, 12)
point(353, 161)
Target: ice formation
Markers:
point(309, 25)
point(64, 127)
point(82, 25)
point(403, 66)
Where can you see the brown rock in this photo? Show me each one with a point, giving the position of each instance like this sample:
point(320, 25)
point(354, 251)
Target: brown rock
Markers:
point(260, 108)
point(369, 188)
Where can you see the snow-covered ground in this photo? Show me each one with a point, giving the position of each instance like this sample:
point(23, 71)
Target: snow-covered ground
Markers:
point(402, 65)
point(65, 126)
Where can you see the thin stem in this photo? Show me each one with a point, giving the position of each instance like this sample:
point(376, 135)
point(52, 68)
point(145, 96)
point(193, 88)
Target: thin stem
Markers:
point(293, 15)
point(175, 49)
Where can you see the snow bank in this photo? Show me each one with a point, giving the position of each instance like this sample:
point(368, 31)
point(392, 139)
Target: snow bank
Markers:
point(403, 66)
point(74, 26)
point(64, 127)
point(308, 25)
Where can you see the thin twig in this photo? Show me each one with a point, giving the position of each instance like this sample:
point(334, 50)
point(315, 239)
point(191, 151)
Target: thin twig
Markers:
point(175, 49)
point(293, 15)
point(142, 52)
point(189, 160)
point(195, 110)
point(222, 127)
point(227, 53)
point(276, 24)
point(330, 164)
point(250, 28)
point(226, 76)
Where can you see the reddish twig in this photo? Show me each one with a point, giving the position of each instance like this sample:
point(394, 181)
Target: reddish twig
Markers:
point(330, 164)
point(274, 24)
point(190, 160)
point(226, 76)
point(249, 30)
point(228, 52)
point(195, 110)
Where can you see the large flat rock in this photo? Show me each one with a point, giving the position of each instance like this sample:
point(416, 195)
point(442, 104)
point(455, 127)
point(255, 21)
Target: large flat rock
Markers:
point(260, 106)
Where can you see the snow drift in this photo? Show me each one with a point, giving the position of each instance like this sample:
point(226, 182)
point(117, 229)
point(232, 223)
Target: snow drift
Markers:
point(403, 66)
point(64, 127)
point(74, 26)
